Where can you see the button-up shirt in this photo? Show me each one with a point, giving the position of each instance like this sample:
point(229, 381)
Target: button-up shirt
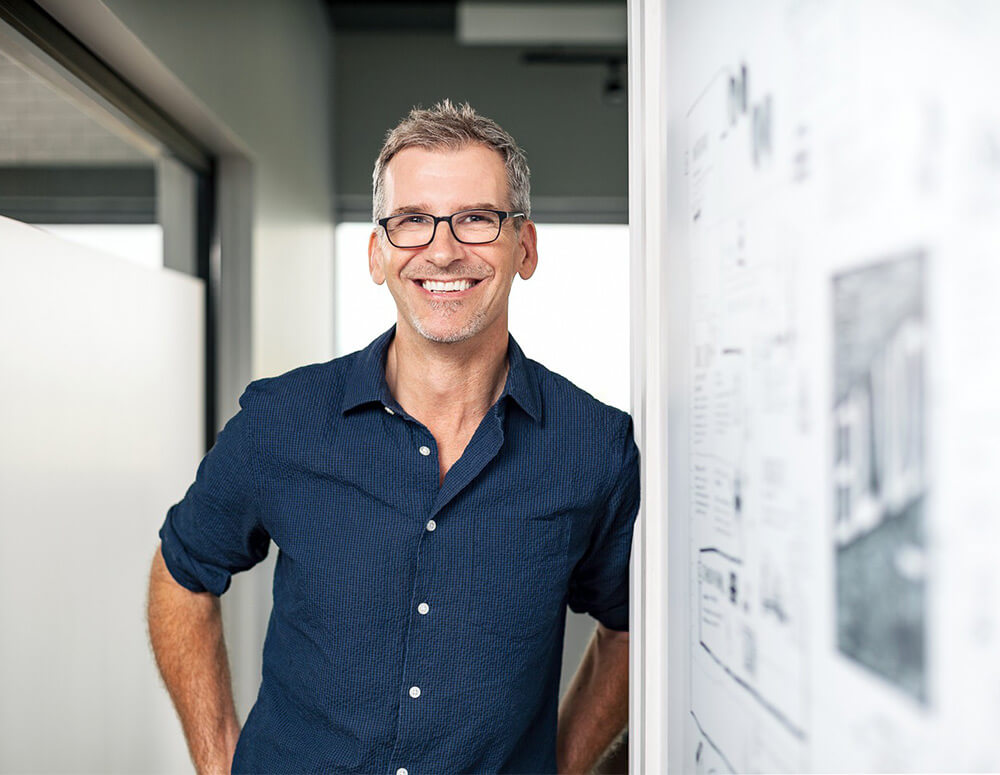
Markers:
point(417, 625)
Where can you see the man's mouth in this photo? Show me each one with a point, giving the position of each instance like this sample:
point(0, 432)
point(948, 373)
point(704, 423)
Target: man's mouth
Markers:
point(447, 286)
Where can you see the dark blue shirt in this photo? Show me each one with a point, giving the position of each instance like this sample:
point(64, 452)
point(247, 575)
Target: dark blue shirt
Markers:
point(416, 625)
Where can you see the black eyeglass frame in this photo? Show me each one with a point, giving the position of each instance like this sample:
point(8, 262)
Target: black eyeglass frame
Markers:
point(504, 215)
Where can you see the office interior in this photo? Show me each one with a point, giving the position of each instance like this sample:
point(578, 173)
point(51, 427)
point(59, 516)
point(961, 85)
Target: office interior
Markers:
point(185, 192)
point(767, 230)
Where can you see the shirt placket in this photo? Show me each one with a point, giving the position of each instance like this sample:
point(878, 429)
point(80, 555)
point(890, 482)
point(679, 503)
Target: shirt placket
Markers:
point(416, 692)
point(413, 687)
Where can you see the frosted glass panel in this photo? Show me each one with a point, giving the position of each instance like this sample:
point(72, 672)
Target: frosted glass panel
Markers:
point(101, 406)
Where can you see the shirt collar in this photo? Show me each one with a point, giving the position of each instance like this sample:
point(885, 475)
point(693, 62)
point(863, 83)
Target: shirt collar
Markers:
point(366, 381)
point(522, 381)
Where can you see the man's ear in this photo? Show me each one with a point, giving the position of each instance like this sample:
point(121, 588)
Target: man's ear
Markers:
point(375, 258)
point(529, 246)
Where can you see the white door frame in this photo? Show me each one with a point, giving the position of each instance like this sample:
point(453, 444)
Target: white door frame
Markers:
point(648, 741)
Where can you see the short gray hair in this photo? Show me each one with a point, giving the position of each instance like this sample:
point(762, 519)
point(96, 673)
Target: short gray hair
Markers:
point(450, 126)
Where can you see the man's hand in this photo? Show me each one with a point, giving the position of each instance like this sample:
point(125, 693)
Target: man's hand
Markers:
point(595, 708)
point(185, 629)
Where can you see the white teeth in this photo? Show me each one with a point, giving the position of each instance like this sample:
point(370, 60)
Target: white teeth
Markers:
point(454, 285)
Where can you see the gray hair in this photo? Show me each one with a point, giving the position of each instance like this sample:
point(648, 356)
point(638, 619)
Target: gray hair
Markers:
point(446, 125)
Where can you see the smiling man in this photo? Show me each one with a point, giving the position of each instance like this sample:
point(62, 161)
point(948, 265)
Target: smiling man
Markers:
point(437, 500)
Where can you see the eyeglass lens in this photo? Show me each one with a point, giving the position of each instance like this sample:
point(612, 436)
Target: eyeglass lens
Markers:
point(416, 229)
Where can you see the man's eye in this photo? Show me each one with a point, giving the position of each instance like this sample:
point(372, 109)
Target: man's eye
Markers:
point(410, 221)
point(477, 218)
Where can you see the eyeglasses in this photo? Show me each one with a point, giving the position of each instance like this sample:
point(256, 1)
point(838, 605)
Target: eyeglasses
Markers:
point(470, 227)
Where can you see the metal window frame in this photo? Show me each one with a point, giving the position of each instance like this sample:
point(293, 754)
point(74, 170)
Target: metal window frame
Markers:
point(61, 55)
point(41, 30)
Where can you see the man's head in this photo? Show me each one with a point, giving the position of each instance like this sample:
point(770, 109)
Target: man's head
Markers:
point(451, 127)
point(437, 163)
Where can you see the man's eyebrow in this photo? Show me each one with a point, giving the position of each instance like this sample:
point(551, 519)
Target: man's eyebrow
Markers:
point(426, 208)
point(417, 208)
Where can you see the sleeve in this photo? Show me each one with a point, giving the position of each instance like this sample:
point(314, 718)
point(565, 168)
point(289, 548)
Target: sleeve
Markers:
point(600, 582)
point(216, 531)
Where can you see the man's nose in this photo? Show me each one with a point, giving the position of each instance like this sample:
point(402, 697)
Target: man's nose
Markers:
point(444, 248)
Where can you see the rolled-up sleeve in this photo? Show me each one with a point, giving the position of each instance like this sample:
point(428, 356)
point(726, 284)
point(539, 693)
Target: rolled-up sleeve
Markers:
point(600, 581)
point(216, 530)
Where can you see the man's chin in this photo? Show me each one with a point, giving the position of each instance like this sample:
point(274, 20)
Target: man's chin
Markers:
point(452, 337)
point(447, 334)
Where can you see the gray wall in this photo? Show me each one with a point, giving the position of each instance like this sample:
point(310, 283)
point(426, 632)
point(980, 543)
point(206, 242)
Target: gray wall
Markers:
point(263, 68)
point(577, 144)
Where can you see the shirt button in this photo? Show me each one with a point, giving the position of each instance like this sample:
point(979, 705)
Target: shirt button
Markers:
point(425, 450)
point(423, 608)
point(432, 525)
point(414, 692)
point(402, 771)
point(389, 410)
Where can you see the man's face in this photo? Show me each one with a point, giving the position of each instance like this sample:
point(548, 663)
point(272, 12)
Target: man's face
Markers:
point(442, 182)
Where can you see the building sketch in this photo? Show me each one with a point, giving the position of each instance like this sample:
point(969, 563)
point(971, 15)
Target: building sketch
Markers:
point(878, 477)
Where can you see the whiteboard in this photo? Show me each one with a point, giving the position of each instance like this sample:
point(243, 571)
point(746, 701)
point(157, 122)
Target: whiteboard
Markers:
point(830, 290)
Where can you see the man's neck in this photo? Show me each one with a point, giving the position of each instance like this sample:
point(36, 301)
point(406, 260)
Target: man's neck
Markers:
point(446, 385)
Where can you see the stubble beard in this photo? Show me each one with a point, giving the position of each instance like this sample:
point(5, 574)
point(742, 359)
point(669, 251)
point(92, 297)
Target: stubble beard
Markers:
point(472, 326)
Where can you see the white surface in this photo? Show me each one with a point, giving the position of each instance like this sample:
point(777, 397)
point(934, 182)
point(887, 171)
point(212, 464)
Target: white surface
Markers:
point(655, 714)
point(101, 405)
point(571, 316)
point(853, 149)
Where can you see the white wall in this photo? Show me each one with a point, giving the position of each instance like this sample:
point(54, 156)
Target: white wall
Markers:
point(101, 400)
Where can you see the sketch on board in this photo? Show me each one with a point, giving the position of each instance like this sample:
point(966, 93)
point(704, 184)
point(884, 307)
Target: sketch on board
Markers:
point(709, 760)
point(879, 479)
point(747, 667)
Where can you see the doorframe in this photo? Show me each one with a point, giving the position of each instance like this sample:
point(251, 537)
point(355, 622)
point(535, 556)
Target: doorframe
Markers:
point(649, 736)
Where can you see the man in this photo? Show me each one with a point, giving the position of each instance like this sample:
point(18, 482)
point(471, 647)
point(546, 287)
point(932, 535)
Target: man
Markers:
point(436, 499)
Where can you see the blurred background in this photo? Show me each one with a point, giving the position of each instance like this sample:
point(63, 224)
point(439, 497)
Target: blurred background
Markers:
point(185, 203)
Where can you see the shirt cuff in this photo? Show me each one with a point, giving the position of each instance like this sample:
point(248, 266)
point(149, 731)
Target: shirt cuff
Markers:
point(186, 571)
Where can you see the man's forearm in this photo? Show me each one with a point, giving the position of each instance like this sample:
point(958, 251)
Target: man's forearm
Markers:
point(185, 629)
point(595, 708)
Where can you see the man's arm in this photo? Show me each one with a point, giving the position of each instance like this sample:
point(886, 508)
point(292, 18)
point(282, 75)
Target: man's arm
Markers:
point(595, 708)
point(185, 629)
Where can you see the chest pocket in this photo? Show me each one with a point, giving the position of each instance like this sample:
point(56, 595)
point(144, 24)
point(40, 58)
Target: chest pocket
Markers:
point(520, 575)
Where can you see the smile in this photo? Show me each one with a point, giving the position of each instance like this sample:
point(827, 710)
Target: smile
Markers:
point(451, 286)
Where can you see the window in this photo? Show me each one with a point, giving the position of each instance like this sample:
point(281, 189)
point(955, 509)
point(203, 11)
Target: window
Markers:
point(572, 315)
